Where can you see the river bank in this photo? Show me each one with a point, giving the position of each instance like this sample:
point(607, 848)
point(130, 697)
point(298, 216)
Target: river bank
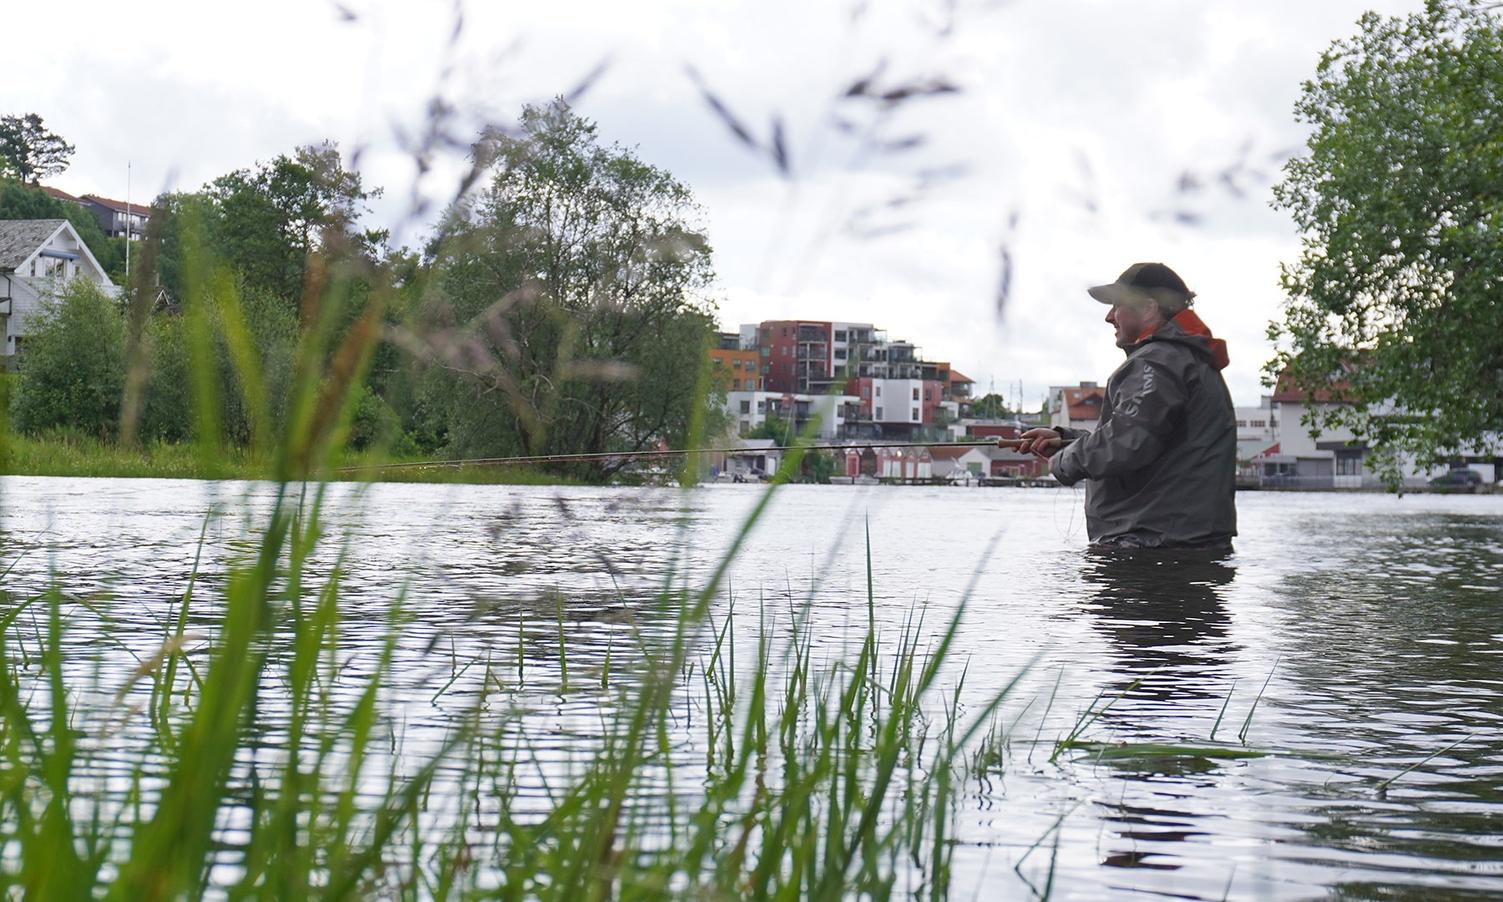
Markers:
point(82, 456)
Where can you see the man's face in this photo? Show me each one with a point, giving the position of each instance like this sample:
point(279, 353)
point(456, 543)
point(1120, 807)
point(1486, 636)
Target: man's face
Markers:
point(1130, 321)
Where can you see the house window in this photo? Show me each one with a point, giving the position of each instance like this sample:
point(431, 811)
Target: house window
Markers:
point(879, 391)
point(1257, 424)
point(761, 407)
point(1241, 424)
point(915, 394)
point(915, 415)
point(746, 406)
point(1349, 463)
point(879, 413)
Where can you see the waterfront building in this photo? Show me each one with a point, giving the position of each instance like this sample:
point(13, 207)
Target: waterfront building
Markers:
point(795, 355)
point(960, 464)
point(886, 462)
point(1335, 458)
point(739, 367)
point(1076, 406)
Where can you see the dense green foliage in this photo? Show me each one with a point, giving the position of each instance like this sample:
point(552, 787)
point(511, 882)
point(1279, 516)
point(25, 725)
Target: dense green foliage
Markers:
point(990, 407)
point(75, 355)
point(1394, 300)
point(29, 151)
point(263, 222)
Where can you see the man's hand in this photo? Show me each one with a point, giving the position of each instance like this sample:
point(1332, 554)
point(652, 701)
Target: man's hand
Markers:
point(1043, 442)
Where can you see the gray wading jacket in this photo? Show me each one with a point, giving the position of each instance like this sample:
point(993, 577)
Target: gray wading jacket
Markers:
point(1161, 467)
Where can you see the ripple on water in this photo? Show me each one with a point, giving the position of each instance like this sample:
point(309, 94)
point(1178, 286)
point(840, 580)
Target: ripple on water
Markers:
point(1350, 639)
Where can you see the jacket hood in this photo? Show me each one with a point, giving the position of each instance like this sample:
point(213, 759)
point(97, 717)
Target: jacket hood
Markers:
point(1187, 329)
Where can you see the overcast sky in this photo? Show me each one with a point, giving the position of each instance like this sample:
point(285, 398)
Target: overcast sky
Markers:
point(1076, 131)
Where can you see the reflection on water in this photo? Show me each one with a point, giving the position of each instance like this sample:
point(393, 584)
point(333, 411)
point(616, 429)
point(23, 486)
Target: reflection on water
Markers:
point(1237, 714)
point(1165, 615)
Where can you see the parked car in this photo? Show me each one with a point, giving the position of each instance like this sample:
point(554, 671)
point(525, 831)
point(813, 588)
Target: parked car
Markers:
point(1460, 479)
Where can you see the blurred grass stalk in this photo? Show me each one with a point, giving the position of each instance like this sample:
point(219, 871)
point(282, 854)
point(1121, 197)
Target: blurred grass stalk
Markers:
point(250, 762)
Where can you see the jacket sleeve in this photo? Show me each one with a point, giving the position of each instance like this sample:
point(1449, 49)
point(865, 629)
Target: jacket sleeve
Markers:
point(1148, 402)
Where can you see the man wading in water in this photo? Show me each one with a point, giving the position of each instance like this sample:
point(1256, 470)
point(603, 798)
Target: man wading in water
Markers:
point(1161, 467)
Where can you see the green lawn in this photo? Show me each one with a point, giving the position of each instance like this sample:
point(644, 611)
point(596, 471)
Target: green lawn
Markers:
point(74, 455)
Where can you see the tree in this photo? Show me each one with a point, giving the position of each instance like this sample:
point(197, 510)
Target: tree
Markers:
point(28, 151)
point(570, 313)
point(990, 407)
point(1394, 298)
point(73, 364)
point(817, 466)
point(264, 221)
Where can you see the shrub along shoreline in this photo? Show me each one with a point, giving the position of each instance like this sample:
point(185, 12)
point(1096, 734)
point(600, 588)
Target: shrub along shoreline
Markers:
point(73, 455)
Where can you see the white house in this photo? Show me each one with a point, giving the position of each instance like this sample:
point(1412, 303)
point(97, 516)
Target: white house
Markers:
point(954, 463)
point(38, 258)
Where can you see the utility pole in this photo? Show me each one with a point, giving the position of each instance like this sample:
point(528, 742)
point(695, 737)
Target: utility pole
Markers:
point(127, 225)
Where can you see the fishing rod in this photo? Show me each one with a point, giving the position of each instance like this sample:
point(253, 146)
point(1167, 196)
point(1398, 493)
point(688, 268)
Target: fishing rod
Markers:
point(591, 456)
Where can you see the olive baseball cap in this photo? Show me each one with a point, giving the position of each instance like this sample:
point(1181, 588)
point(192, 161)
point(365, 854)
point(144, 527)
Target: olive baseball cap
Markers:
point(1146, 283)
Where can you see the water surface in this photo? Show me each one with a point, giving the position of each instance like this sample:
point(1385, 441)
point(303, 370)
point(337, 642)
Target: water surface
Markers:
point(1347, 638)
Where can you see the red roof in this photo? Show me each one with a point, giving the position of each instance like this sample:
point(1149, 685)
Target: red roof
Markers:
point(59, 194)
point(119, 206)
point(1286, 392)
point(958, 376)
point(1084, 403)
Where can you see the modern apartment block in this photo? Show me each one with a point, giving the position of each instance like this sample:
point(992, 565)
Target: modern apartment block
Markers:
point(876, 386)
point(796, 354)
point(739, 367)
